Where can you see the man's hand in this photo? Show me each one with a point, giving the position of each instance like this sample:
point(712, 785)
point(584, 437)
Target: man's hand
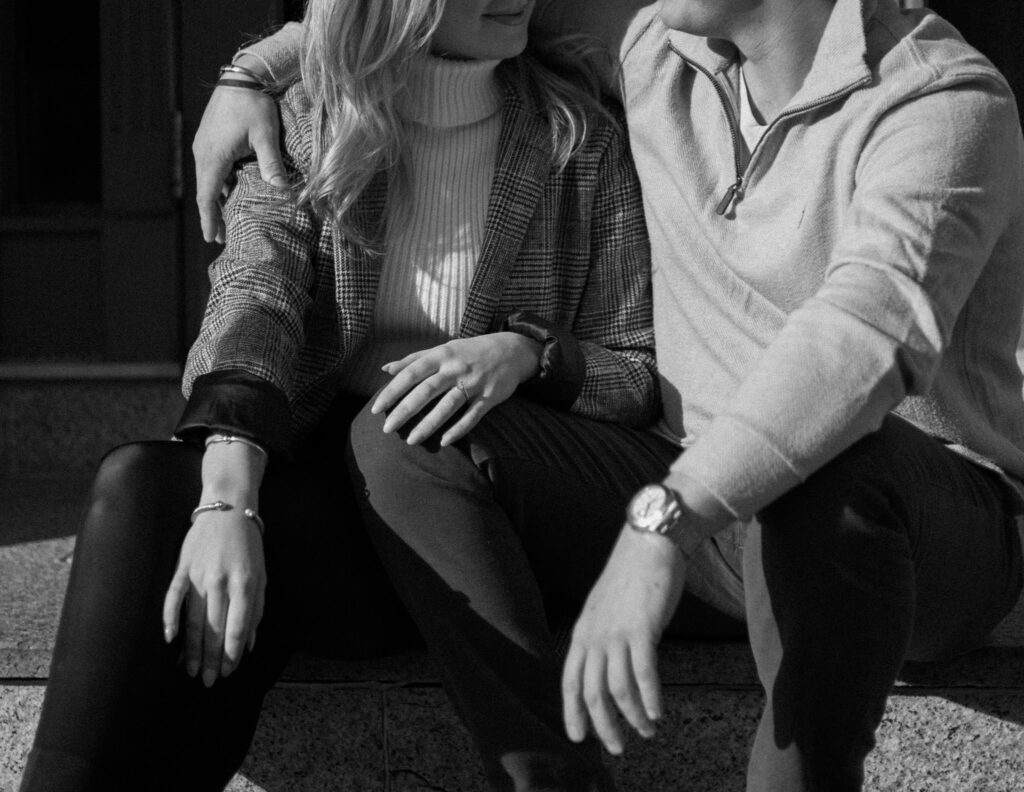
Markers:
point(237, 122)
point(612, 661)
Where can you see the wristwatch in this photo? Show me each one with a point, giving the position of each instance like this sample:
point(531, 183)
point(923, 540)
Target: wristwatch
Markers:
point(656, 509)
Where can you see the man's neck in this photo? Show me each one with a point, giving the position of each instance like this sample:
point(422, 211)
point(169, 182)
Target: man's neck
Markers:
point(777, 45)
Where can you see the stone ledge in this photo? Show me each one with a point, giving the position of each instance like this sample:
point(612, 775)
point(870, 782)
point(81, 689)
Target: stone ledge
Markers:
point(407, 739)
point(721, 665)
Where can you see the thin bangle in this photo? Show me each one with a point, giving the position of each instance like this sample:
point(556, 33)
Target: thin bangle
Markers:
point(225, 506)
point(229, 439)
point(234, 68)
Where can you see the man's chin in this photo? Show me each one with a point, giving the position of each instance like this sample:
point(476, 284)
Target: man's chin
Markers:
point(706, 18)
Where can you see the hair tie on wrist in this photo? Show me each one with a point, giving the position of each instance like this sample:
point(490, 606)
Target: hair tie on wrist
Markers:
point(252, 86)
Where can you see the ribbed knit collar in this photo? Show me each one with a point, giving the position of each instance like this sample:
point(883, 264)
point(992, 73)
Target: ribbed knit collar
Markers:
point(451, 93)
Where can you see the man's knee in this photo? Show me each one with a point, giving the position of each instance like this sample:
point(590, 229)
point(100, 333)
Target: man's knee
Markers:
point(861, 493)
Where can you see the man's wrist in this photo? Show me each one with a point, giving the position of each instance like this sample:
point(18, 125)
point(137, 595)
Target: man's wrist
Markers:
point(656, 510)
point(658, 548)
point(663, 511)
point(687, 534)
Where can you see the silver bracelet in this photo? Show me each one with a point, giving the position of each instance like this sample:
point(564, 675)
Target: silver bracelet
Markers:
point(225, 506)
point(222, 438)
point(234, 68)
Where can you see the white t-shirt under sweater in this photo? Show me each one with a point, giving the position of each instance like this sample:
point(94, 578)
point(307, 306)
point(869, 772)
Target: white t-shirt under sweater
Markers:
point(454, 110)
point(750, 127)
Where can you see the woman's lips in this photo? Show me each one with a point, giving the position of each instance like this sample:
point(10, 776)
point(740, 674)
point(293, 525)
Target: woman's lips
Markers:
point(507, 17)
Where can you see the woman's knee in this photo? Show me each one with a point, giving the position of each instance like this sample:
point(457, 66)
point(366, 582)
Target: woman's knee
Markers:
point(142, 464)
point(140, 484)
point(367, 441)
point(385, 460)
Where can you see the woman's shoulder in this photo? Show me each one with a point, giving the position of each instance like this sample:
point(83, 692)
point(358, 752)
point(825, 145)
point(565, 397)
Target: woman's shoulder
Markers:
point(606, 131)
point(568, 97)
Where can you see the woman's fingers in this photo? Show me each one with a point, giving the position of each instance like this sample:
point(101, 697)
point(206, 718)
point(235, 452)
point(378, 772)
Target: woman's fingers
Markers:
point(417, 399)
point(470, 418)
point(172, 604)
point(396, 366)
point(195, 627)
point(213, 631)
point(237, 627)
point(574, 713)
point(442, 412)
point(470, 374)
point(257, 617)
point(414, 373)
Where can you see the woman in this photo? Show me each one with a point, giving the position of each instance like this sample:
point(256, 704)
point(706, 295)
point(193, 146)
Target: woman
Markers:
point(465, 225)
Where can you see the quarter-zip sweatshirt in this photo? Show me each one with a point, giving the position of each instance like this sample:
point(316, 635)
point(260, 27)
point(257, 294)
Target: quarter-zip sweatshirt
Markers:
point(867, 256)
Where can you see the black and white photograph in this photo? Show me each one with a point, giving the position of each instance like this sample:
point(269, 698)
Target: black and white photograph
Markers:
point(512, 396)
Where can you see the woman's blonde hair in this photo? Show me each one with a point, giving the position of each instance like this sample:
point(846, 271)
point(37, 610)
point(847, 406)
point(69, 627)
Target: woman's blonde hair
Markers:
point(355, 62)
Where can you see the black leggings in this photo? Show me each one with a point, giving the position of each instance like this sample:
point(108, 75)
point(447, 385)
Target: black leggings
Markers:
point(120, 713)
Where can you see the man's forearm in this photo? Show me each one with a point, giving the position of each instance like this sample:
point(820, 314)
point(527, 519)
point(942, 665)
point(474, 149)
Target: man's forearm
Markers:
point(276, 56)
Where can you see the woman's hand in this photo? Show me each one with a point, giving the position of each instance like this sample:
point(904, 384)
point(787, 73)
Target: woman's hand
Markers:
point(221, 573)
point(237, 122)
point(221, 577)
point(472, 373)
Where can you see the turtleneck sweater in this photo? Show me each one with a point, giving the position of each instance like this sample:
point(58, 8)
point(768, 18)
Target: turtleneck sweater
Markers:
point(453, 114)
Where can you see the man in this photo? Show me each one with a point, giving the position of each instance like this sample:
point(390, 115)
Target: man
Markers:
point(834, 191)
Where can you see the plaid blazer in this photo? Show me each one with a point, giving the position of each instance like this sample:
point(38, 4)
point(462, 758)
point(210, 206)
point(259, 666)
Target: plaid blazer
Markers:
point(291, 299)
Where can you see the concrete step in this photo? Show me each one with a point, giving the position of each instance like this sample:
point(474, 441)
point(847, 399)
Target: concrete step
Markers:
point(60, 430)
point(405, 738)
point(386, 725)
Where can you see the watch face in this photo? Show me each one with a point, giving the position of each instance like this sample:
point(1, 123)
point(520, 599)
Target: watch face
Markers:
point(647, 509)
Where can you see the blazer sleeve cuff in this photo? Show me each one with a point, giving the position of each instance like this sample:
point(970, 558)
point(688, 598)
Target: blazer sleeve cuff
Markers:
point(235, 402)
point(559, 381)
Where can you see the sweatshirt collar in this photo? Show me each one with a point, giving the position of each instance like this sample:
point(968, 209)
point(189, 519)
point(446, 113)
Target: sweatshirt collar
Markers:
point(839, 63)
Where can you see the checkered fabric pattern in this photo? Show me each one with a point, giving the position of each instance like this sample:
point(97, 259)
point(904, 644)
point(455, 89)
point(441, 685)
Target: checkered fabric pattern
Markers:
point(291, 299)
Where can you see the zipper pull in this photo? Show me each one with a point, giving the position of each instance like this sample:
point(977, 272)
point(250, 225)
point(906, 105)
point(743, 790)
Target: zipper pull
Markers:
point(730, 195)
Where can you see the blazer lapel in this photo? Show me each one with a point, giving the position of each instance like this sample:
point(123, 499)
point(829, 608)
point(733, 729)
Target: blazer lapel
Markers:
point(524, 163)
point(357, 270)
